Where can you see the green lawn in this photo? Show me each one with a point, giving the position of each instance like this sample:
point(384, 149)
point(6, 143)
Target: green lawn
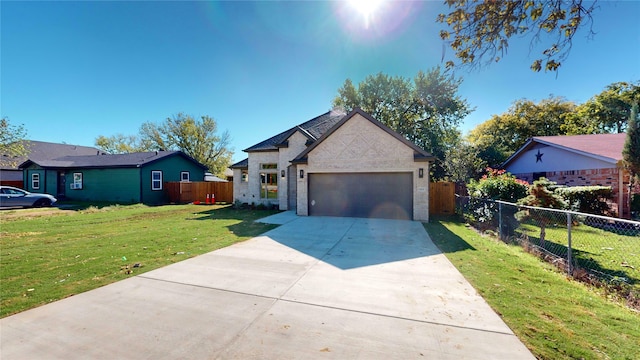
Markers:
point(616, 255)
point(555, 317)
point(50, 254)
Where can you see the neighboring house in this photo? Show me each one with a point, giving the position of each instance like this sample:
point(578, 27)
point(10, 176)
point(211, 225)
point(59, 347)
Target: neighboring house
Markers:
point(122, 178)
point(11, 175)
point(337, 165)
point(577, 160)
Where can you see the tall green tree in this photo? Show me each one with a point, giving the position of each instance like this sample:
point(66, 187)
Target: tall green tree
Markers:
point(198, 138)
point(12, 146)
point(631, 149)
point(426, 109)
point(462, 162)
point(480, 31)
point(497, 138)
point(607, 112)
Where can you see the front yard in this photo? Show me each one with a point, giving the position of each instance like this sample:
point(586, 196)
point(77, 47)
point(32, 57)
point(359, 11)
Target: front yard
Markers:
point(50, 254)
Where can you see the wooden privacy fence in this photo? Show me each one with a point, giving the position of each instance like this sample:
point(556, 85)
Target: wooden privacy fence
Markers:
point(442, 199)
point(186, 192)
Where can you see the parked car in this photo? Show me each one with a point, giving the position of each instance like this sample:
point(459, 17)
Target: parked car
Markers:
point(11, 196)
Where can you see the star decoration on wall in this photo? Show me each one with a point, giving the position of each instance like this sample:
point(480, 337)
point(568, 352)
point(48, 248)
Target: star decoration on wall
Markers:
point(539, 156)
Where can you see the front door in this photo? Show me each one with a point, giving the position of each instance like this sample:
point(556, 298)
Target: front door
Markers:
point(62, 185)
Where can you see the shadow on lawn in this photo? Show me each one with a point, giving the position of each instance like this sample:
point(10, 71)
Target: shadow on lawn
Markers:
point(247, 225)
point(584, 260)
point(445, 240)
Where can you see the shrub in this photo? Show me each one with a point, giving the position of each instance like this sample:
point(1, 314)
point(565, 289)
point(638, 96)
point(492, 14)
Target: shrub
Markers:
point(495, 185)
point(498, 185)
point(587, 199)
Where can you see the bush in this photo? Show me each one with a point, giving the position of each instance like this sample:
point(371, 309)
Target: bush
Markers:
point(587, 199)
point(496, 185)
point(635, 202)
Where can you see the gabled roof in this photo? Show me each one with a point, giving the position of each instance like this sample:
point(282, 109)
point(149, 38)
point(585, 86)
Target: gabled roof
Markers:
point(606, 147)
point(135, 160)
point(41, 150)
point(312, 129)
point(419, 154)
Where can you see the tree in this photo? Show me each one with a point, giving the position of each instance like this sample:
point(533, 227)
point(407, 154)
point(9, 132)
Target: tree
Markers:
point(12, 146)
point(427, 110)
point(463, 163)
point(120, 144)
point(497, 138)
point(196, 138)
point(631, 149)
point(607, 112)
point(482, 30)
point(541, 195)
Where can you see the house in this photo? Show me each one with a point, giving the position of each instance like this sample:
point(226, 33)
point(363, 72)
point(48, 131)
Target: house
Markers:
point(11, 175)
point(122, 178)
point(576, 160)
point(337, 164)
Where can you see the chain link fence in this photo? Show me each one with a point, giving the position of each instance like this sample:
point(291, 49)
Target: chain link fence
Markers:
point(585, 246)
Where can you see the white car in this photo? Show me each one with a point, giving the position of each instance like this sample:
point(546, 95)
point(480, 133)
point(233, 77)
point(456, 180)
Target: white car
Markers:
point(14, 197)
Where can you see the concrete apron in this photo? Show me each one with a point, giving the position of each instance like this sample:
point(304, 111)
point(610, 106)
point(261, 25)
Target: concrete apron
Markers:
point(315, 287)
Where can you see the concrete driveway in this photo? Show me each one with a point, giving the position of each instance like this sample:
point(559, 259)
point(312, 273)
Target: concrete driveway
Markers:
point(315, 287)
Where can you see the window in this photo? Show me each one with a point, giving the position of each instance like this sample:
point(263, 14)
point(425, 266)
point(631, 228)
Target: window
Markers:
point(35, 181)
point(184, 176)
point(156, 180)
point(269, 181)
point(77, 181)
point(268, 185)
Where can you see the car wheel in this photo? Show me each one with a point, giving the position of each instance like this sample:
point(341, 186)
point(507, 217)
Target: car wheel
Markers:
point(42, 203)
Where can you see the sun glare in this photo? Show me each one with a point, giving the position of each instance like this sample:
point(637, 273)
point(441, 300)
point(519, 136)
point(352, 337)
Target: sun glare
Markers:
point(366, 8)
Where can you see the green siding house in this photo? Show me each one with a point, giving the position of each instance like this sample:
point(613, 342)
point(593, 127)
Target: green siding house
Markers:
point(121, 178)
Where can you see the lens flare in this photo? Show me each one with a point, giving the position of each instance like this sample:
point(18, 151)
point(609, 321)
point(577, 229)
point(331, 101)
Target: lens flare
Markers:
point(375, 20)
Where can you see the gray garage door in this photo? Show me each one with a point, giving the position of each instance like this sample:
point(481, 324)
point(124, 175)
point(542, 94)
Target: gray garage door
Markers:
point(376, 195)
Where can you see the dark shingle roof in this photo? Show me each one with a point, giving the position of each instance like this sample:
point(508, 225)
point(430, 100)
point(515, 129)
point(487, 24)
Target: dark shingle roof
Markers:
point(107, 160)
point(313, 129)
point(419, 154)
point(41, 150)
point(243, 164)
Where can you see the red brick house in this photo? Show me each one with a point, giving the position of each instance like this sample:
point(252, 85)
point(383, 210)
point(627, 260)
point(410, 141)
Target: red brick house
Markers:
point(577, 160)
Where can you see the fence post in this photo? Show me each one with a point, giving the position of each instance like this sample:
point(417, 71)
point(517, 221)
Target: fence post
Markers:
point(569, 257)
point(500, 221)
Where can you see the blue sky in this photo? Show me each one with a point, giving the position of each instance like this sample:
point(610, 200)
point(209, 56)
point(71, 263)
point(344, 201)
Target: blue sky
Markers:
point(71, 71)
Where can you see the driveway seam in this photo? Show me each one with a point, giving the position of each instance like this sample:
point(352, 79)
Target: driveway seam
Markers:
point(276, 299)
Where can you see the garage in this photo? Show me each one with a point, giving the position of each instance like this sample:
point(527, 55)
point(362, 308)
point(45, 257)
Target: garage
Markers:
point(366, 195)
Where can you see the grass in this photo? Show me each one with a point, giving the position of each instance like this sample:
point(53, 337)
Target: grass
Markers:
point(50, 254)
point(616, 255)
point(556, 318)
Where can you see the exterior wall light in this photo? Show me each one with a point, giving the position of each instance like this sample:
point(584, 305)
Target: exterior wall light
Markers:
point(282, 173)
point(301, 174)
point(421, 172)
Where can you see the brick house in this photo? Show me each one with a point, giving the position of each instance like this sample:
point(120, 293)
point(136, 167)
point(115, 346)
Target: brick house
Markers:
point(337, 164)
point(576, 160)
